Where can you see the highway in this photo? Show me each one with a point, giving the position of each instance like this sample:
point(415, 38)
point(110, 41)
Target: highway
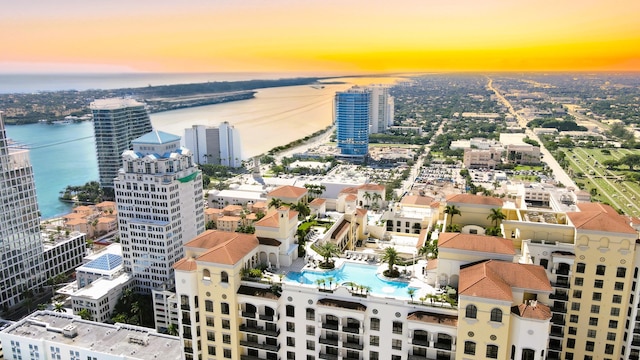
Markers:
point(558, 172)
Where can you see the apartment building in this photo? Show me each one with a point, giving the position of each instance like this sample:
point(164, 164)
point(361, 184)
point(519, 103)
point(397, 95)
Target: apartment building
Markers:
point(218, 145)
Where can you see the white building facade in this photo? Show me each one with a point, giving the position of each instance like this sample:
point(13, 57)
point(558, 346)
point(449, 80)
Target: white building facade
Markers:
point(214, 145)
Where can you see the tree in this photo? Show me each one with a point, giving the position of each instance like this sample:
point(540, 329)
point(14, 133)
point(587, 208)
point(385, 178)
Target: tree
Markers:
point(411, 292)
point(327, 251)
point(376, 198)
point(452, 210)
point(58, 307)
point(390, 256)
point(496, 215)
point(84, 314)
point(172, 329)
point(430, 249)
point(330, 279)
point(275, 202)
point(320, 282)
point(302, 209)
point(367, 196)
point(631, 160)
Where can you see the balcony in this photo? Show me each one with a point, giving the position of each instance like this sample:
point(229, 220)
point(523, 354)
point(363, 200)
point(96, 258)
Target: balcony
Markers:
point(556, 308)
point(557, 319)
point(559, 296)
point(266, 317)
point(251, 357)
point(351, 329)
point(330, 325)
point(352, 345)
point(442, 345)
point(421, 342)
point(328, 341)
point(248, 315)
point(561, 284)
point(328, 356)
point(417, 357)
point(557, 333)
point(555, 345)
point(635, 342)
point(259, 330)
point(263, 346)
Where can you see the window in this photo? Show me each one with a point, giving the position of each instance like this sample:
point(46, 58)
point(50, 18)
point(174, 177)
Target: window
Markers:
point(571, 343)
point(227, 353)
point(208, 305)
point(291, 355)
point(311, 330)
point(492, 352)
point(226, 338)
point(374, 355)
point(396, 344)
point(311, 345)
point(375, 324)
point(226, 324)
point(206, 274)
point(224, 308)
point(374, 340)
point(617, 299)
point(600, 269)
point(575, 306)
point(579, 281)
point(544, 263)
point(397, 327)
point(591, 333)
point(471, 312)
point(615, 311)
point(528, 354)
point(496, 315)
point(291, 311)
point(211, 350)
point(598, 284)
point(613, 324)
point(291, 327)
point(608, 349)
point(589, 346)
point(311, 357)
point(469, 348)
point(595, 309)
point(621, 272)
point(311, 314)
point(291, 341)
point(618, 286)
point(577, 294)
point(593, 321)
point(597, 296)
point(211, 336)
point(396, 357)
point(573, 318)
point(611, 336)
point(224, 277)
point(580, 268)
point(573, 330)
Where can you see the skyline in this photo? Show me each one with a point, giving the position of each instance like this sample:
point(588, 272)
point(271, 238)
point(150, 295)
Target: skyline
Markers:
point(312, 36)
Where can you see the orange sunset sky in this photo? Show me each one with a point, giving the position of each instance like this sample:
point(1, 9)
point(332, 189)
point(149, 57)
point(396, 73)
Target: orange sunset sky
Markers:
point(319, 36)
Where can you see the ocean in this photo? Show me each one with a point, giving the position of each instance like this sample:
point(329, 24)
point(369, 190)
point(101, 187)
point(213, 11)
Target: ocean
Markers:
point(64, 155)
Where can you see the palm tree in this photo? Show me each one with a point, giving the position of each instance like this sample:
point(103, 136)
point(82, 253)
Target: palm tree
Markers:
point(390, 256)
point(327, 251)
point(320, 282)
point(84, 314)
point(496, 216)
point(58, 307)
point(376, 198)
point(367, 196)
point(275, 202)
point(330, 279)
point(302, 209)
point(411, 292)
point(422, 299)
point(452, 210)
point(431, 247)
point(172, 330)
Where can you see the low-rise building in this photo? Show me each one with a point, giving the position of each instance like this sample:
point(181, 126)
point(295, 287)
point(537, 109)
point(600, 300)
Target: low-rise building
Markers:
point(100, 297)
point(482, 158)
point(523, 154)
point(62, 252)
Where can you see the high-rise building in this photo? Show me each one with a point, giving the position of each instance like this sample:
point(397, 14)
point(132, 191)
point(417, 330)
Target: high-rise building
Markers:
point(214, 145)
point(21, 248)
point(115, 123)
point(160, 206)
point(381, 109)
point(352, 117)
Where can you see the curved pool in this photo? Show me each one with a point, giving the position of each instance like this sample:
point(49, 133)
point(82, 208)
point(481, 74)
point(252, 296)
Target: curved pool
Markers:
point(360, 274)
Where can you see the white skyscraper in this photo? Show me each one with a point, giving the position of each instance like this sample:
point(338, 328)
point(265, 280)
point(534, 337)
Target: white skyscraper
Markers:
point(160, 206)
point(21, 249)
point(214, 145)
point(381, 115)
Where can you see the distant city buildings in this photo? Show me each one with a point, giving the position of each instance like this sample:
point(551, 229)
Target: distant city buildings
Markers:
point(21, 249)
point(116, 122)
point(214, 145)
point(160, 206)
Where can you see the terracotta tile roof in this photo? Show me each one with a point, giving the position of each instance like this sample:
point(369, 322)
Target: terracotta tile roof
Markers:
point(435, 204)
point(223, 247)
point(186, 264)
point(432, 264)
point(417, 200)
point(211, 211)
point(106, 219)
point(106, 204)
point(270, 220)
point(480, 243)
point(361, 211)
point(600, 217)
point(351, 197)
point(474, 200)
point(293, 214)
point(341, 229)
point(77, 221)
point(422, 238)
point(534, 310)
point(349, 190)
point(269, 241)
point(493, 279)
point(375, 187)
point(232, 208)
point(74, 216)
point(317, 202)
point(229, 218)
point(260, 205)
point(287, 191)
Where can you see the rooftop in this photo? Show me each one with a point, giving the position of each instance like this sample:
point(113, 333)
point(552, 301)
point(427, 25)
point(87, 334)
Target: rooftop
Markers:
point(480, 243)
point(114, 103)
point(156, 138)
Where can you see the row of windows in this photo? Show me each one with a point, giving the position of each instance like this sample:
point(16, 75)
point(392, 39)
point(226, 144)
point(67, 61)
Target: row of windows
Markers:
point(601, 269)
point(490, 353)
point(471, 312)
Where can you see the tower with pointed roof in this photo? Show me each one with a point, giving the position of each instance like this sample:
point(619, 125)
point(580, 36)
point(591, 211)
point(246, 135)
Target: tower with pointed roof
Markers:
point(160, 207)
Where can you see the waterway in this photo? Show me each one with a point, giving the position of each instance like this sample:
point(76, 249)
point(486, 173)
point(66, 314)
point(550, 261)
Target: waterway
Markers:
point(64, 155)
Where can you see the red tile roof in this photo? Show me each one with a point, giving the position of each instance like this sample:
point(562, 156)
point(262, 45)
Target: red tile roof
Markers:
point(223, 247)
point(417, 200)
point(287, 191)
point(474, 200)
point(186, 264)
point(480, 243)
point(535, 310)
point(317, 202)
point(600, 217)
point(371, 187)
point(270, 220)
point(494, 279)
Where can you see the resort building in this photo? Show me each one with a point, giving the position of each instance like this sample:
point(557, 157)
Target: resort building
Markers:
point(410, 215)
point(52, 335)
point(214, 145)
point(352, 118)
point(160, 207)
point(116, 122)
point(21, 249)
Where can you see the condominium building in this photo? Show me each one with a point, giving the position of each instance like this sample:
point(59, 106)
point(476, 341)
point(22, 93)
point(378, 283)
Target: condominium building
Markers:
point(381, 109)
point(352, 116)
point(160, 206)
point(116, 122)
point(21, 249)
point(52, 335)
point(214, 145)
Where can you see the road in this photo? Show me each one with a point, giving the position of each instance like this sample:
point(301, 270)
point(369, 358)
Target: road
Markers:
point(558, 172)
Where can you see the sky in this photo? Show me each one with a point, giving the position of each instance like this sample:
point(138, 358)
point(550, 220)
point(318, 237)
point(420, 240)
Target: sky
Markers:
point(349, 36)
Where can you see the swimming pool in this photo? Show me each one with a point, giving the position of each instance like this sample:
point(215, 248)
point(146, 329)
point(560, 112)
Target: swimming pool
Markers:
point(360, 274)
